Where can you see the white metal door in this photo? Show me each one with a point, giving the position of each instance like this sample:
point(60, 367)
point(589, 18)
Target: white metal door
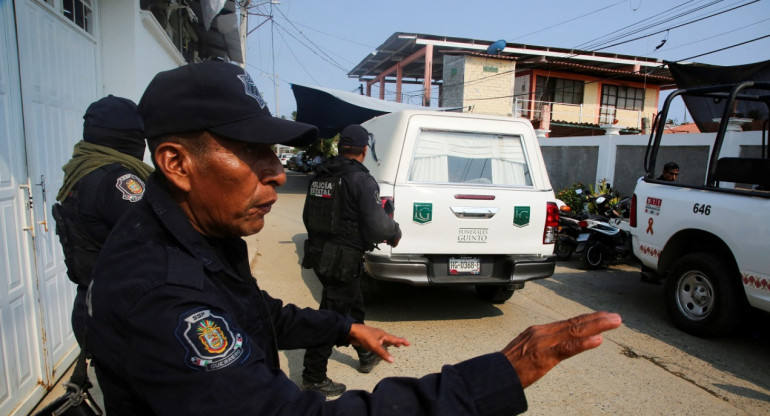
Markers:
point(56, 77)
point(19, 328)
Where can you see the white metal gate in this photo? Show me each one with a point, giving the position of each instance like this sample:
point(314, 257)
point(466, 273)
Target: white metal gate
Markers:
point(54, 79)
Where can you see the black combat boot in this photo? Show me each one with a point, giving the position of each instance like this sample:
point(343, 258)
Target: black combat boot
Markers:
point(327, 387)
point(367, 361)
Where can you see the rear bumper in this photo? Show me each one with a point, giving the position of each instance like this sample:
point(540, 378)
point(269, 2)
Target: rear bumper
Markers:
point(432, 270)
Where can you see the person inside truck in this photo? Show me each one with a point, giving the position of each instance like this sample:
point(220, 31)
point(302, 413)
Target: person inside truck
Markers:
point(178, 324)
point(670, 172)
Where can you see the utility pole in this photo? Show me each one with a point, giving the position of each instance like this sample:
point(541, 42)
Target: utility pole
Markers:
point(246, 6)
point(243, 27)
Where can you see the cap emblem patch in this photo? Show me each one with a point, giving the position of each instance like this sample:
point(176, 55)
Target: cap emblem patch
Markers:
point(251, 89)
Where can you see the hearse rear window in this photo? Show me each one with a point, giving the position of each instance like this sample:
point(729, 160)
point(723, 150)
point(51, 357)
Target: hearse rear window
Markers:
point(469, 158)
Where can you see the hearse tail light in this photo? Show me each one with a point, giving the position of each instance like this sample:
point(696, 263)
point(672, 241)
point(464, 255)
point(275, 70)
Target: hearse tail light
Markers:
point(551, 223)
point(388, 205)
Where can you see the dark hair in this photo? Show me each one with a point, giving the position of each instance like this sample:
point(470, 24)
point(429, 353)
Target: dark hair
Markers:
point(670, 166)
point(350, 150)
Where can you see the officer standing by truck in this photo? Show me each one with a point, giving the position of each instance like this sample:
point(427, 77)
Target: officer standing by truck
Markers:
point(344, 217)
point(102, 180)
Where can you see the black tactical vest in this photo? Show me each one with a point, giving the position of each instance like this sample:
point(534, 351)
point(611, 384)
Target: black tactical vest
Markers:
point(80, 249)
point(323, 204)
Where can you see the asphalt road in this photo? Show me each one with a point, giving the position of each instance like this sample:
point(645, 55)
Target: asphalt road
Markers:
point(646, 367)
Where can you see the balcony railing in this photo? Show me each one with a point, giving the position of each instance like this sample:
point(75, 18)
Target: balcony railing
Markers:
point(579, 113)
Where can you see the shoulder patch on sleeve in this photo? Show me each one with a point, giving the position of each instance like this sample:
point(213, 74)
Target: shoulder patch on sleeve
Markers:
point(131, 187)
point(210, 340)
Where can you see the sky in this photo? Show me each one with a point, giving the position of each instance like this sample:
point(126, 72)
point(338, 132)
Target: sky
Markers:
point(317, 42)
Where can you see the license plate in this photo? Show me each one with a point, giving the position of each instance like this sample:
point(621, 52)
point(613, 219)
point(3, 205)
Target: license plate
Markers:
point(464, 265)
point(583, 237)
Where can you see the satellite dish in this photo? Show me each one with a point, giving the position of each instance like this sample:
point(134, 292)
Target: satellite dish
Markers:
point(497, 47)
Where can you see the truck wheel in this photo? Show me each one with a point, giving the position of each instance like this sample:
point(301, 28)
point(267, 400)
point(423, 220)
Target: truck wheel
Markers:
point(703, 295)
point(593, 257)
point(494, 293)
point(563, 250)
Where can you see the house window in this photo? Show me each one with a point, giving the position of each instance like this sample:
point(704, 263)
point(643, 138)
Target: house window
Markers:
point(624, 98)
point(79, 12)
point(559, 90)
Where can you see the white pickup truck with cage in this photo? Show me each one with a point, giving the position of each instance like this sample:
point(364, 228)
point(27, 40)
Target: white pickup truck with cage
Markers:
point(710, 240)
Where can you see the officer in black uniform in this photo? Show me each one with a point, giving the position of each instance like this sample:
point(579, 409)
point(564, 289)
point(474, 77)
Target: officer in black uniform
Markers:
point(178, 325)
point(103, 179)
point(344, 217)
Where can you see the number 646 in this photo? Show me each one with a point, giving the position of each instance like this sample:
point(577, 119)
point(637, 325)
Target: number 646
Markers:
point(701, 209)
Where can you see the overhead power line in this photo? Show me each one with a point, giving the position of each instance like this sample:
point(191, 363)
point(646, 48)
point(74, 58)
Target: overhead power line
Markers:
point(595, 41)
point(299, 62)
point(712, 37)
point(318, 48)
point(677, 26)
point(725, 48)
point(315, 51)
point(569, 20)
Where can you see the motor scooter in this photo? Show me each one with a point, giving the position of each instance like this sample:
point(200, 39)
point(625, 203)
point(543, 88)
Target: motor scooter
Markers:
point(571, 224)
point(605, 238)
point(569, 230)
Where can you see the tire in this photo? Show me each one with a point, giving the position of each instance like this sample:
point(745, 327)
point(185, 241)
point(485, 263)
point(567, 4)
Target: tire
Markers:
point(704, 296)
point(592, 257)
point(494, 293)
point(563, 250)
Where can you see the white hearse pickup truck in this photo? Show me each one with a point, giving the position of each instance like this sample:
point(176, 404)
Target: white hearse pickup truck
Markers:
point(472, 197)
point(710, 240)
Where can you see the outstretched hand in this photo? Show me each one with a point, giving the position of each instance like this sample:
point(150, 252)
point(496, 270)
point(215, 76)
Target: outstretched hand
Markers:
point(539, 348)
point(375, 340)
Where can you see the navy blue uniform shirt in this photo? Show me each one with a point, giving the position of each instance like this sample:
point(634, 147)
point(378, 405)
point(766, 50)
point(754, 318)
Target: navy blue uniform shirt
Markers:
point(179, 327)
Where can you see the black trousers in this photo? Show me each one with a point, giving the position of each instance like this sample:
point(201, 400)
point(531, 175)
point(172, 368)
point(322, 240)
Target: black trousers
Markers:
point(340, 294)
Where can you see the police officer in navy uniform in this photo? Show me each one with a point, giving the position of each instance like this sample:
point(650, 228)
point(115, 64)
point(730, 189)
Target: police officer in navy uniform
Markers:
point(344, 217)
point(104, 178)
point(177, 324)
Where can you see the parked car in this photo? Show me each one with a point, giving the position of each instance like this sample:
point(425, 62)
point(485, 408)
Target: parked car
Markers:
point(284, 158)
point(297, 163)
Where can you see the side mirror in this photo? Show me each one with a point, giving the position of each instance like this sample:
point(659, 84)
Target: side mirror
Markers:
point(600, 200)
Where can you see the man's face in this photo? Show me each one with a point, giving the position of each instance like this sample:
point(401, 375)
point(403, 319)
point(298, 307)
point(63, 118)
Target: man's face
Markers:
point(232, 187)
point(670, 175)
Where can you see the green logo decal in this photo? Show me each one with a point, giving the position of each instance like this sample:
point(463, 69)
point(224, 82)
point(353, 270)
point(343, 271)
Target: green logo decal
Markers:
point(521, 216)
point(422, 212)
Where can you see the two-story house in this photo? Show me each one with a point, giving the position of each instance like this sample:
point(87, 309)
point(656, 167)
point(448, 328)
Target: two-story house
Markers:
point(564, 92)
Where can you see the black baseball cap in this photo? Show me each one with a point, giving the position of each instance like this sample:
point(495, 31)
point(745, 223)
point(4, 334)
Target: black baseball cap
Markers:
point(354, 135)
point(219, 97)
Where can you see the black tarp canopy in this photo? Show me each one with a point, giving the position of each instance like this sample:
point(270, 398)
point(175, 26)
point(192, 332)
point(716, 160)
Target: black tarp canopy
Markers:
point(705, 110)
point(331, 110)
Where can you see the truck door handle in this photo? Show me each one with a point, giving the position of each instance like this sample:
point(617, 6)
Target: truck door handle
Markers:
point(474, 212)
